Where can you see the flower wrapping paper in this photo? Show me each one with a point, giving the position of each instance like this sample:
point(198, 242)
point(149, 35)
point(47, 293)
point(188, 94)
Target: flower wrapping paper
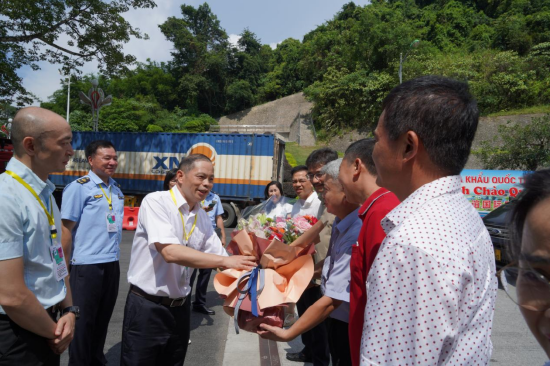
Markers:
point(288, 271)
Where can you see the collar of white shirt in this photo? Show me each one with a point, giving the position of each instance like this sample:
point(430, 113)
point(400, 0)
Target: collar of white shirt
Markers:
point(308, 202)
point(182, 203)
point(429, 191)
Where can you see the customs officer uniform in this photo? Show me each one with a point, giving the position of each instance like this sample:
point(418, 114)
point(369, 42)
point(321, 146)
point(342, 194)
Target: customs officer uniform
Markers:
point(212, 205)
point(97, 209)
point(25, 232)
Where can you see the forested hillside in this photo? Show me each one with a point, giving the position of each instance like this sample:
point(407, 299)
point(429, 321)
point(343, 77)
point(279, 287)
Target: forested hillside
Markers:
point(346, 66)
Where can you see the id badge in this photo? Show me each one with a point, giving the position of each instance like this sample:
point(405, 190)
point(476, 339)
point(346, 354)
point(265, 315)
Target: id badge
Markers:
point(60, 267)
point(110, 218)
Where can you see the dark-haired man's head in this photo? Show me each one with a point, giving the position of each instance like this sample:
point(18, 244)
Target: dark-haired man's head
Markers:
point(103, 159)
point(195, 178)
point(317, 160)
point(358, 172)
point(424, 133)
point(301, 184)
point(41, 140)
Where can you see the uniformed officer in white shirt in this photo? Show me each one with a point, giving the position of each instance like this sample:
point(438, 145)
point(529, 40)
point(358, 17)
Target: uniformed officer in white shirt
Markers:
point(173, 233)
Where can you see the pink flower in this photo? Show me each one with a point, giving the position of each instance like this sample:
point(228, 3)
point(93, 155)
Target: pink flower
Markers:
point(281, 225)
point(301, 223)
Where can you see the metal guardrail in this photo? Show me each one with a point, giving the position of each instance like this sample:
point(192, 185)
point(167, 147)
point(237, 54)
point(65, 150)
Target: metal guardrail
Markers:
point(247, 128)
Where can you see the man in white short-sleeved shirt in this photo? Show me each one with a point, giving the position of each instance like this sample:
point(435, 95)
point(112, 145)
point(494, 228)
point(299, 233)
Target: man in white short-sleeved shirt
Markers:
point(432, 287)
point(157, 311)
point(308, 203)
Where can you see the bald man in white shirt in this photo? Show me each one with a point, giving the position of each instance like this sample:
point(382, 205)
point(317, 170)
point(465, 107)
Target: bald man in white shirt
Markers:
point(173, 234)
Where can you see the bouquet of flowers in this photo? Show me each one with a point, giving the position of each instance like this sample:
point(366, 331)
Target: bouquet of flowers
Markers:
point(285, 230)
point(284, 272)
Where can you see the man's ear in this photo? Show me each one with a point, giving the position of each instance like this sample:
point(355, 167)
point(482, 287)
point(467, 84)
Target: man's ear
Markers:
point(356, 168)
point(30, 146)
point(412, 143)
point(179, 175)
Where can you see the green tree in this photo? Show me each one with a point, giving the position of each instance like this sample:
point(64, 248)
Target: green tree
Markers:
point(200, 58)
point(32, 31)
point(81, 121)
point(524, 147)
point(343, 100)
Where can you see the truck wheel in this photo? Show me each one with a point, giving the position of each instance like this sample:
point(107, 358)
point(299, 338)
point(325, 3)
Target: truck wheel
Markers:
point(229, 215)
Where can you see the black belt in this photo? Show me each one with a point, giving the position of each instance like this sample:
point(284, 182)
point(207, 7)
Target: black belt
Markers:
point(162, 300)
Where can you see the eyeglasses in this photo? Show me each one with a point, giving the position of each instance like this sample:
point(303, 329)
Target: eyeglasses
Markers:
point(526, 287)
point(316, 175)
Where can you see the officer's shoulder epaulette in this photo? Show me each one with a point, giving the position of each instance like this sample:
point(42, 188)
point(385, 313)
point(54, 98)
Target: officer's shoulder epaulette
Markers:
point(83, 180)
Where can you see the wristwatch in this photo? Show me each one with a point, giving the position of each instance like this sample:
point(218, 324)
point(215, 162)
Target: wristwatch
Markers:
point(72, 309)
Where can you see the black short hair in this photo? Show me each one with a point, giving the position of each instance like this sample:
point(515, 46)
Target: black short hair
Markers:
point(92, 147)
point(536, 189)
point(170, 174)
point(321, 156)
point(443, 114)
point(189, 161)
point(276, 183)
point(362, 150)
point(298, 168)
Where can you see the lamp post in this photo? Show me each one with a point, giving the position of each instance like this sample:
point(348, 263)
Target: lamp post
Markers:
point(402, 60)
point(68, 92)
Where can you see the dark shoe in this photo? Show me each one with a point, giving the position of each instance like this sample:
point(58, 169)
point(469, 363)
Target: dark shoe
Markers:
point(203, 310)
point(298, 357)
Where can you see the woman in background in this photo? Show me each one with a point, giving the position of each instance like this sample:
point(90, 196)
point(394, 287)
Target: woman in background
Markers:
point(276, 205)
point(527, 279)
point(170, 179)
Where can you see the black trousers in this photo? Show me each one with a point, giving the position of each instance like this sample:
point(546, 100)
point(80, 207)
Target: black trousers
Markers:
point(154, 334)
point(316, 339)
point(20, 347)
point(202, 285)
point(338, 340)
point(95, 289)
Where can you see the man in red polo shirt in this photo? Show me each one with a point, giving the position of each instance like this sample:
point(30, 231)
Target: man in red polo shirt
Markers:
point(358, 178)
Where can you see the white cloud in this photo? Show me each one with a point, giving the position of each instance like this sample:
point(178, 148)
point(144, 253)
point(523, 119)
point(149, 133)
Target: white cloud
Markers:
point(233, 39)
point(45, 81)
point(274, 45)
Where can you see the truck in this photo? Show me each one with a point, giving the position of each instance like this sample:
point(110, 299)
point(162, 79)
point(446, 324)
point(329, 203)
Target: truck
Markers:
point(243, 163)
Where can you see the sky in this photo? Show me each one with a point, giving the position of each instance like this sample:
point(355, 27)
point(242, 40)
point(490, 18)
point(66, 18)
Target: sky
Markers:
point(271, 21)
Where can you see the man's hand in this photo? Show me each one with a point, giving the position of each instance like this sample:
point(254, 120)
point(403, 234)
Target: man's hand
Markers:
point(246, 262)
point(64, 333)
point(274, 333)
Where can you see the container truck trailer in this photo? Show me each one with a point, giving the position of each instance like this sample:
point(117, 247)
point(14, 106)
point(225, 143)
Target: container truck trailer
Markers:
point(243, 163)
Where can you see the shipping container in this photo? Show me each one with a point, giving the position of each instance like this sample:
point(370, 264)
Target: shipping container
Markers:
point(243, 163)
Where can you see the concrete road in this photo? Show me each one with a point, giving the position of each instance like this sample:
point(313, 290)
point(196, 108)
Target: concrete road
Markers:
point(513, 343)
point(208, 333)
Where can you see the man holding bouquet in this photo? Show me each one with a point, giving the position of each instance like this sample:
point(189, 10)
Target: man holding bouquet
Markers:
point(316, 340)
point(173, 233)
point(335, 276)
